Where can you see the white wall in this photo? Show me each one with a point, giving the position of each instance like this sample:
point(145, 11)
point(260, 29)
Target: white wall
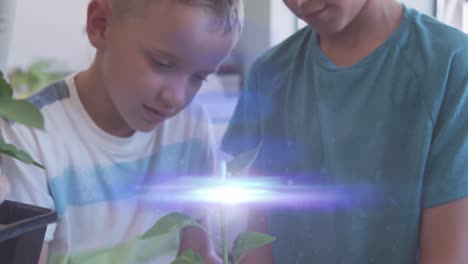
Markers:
point(282, 22)
point(256, 36)
point(465, 17)
point(40, 31)
point(7, 16)
point(50, 29)
point(426, 6)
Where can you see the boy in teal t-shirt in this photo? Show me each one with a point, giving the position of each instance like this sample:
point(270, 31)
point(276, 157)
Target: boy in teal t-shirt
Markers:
point(369, 102)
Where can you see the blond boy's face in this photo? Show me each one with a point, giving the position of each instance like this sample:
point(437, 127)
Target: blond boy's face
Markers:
point(154, 64)
point(326, 17)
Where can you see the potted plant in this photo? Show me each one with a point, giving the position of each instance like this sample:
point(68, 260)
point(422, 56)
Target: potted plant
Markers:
point(22, 226)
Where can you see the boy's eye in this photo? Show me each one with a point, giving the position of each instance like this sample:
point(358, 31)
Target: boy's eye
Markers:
point(201, 77)
point(161, 63)
point(198, 79)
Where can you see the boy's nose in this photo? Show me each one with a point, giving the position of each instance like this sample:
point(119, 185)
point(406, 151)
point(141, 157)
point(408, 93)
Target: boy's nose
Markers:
point(172, 97)
point(297, 2)
point(305, 3)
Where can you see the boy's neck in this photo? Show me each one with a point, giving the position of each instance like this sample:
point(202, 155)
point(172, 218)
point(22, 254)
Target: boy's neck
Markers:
point(98, 105)
point(370, 29)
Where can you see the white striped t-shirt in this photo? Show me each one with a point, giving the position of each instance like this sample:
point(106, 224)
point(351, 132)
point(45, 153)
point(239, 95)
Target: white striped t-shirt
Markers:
point(92, 178)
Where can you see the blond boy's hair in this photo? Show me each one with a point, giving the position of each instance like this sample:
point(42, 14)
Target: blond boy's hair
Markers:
point(229, 12)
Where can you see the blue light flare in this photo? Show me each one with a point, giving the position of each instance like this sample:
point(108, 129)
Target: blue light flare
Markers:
point(254, 191)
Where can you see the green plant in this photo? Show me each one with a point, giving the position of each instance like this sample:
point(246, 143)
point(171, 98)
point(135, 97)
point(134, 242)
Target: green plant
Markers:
point(244, 242)
point(20, 111)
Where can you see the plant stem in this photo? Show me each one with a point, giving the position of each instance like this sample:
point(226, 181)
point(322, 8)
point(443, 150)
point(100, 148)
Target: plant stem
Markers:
point(224, 237)
point(224, 220)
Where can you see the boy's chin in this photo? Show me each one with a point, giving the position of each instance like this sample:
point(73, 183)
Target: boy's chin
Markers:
point(327, 31)
point(146, 128)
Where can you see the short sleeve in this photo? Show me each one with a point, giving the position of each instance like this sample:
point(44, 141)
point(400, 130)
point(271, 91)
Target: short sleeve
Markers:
point(244, 130)
point(28, 183)
point(446, 174)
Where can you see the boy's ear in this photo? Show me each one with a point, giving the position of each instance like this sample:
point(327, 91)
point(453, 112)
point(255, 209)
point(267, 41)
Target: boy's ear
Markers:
point(97, 22)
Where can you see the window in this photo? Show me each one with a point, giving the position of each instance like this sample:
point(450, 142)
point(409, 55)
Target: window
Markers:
point(283, 22)
point(465, 17)
point(300, 24)
point(453, 13)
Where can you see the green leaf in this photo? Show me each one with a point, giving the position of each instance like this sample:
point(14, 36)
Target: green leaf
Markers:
point(188, 257)
point(248, 241)
point(21, 111)
point(243, 161)
point(170, 222)
point(5, 89)
point(14, 152)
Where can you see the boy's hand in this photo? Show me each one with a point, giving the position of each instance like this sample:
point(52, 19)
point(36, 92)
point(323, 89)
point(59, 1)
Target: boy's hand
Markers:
point(4, 188)
point(198, 240)
point(213, 259)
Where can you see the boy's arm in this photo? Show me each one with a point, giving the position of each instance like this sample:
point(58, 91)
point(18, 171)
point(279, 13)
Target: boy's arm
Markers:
point(257, 223)
point(27, 183)
point(444, 234)
point(444, 227)
point(199, 241)
point(44, 254)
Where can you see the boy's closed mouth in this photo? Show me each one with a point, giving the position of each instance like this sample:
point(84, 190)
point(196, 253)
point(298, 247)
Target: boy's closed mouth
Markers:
point(153, 115)
point(314, 12)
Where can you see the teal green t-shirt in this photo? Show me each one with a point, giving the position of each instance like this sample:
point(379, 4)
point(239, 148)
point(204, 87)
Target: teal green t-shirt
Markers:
point(388, 136)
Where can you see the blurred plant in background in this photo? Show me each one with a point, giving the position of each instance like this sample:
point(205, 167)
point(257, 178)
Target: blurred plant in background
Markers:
point(35, 77)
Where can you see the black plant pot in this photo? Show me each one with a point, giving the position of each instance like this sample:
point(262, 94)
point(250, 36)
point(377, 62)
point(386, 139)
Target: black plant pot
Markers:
point(22, 232)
